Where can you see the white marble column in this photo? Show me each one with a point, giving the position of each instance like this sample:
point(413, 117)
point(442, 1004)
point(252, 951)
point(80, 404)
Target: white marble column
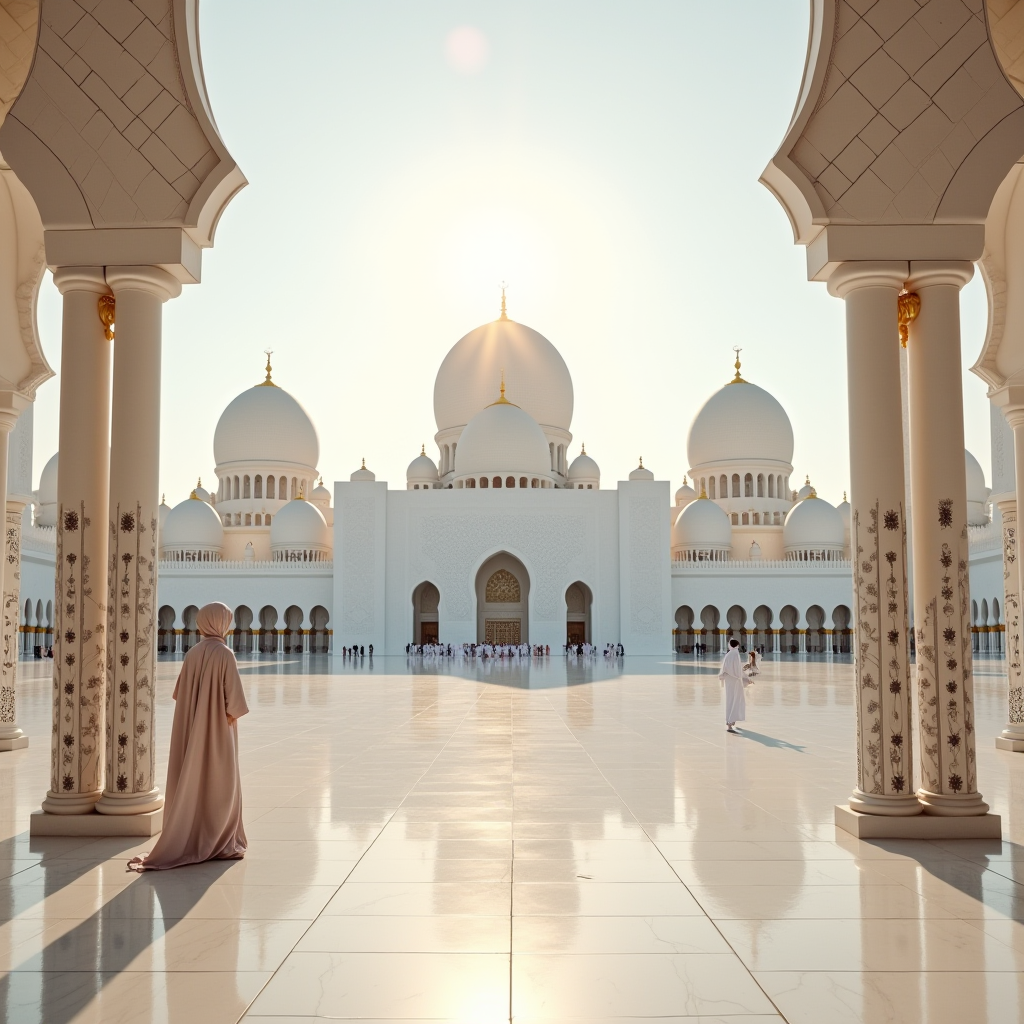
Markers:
point(11, 735)
point(134, 498)
point(942, 598)
point(885, 784)
point(1012, 736)
point(80, 604)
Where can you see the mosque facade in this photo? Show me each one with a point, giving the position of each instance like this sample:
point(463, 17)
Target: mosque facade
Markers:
point(506, 538)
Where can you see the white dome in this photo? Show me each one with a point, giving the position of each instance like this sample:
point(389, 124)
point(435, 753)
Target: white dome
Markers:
point(813, 524)
point(46, 496)
point(192, 525)
point(977, 492)
point(740, 422)
point(641, 473)
point(201, 492)
point(806, 491)
point(266, 424)
point(843, 508)
point(422, 470)
point(363, 473)
point(584, 468)
point(502, 439)
point(321, 496)
point(162, 512)
point(702, 524)
point(536, 376)
point(685, 494)
point(299, 524)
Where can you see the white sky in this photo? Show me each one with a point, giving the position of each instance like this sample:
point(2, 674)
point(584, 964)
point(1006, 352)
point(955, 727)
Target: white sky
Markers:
point(602, 157)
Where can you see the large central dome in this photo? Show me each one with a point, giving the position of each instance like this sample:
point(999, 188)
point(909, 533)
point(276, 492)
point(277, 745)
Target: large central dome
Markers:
point(536, 377)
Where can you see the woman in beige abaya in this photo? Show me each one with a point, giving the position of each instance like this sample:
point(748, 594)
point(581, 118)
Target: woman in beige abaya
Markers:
point(203, 806)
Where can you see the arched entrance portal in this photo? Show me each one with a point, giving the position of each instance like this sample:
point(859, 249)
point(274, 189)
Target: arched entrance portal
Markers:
point(502, 601)
point(578, 599)
point(425, 600)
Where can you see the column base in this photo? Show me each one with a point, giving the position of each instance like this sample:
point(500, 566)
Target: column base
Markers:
point(130, 803)
point(921, 826)
point(1002, 743)
point(14, 742)
point(64, 804)
point(942, 805)
point(885, 806)
point(93, 824)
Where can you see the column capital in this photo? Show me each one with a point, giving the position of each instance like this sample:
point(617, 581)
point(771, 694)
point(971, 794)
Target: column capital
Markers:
point(12, 405)
point(1010, 400)
point(81, 279)
point(856, 274)
point(1006, 505)
point(151, 280)
point(930, 273)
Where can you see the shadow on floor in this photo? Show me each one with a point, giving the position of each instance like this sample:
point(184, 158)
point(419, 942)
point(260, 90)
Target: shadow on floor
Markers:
point(770, 741)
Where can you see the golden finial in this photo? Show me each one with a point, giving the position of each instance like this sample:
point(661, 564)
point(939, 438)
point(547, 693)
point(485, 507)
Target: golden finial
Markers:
point(193, 496)
point(504, 311)
point(737, 379)
point(844, 496)
point(302, 488)
point(268, 383)
point(107, 308)
point(684, 480)
point(502, 400)
point(813, 493)
point(364, 463)
point(807, 480)
point(321, 480)
point(583, 449)
point(163, 499)
point(423, 449)
point(641, 462)
point(908, 305)
point(703, 493)
point(199, 483)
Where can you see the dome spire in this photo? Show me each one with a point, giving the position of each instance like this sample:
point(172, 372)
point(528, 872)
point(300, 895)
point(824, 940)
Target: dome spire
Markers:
point(423, 449)
point(268, 383)
point(504, 311)
point(502, 400)
point(703, 493)
point(583, 448)
point(737, 379)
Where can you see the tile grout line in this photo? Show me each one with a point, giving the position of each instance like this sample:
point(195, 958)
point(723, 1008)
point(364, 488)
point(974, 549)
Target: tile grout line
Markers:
point(273, 974)
point(661, 854)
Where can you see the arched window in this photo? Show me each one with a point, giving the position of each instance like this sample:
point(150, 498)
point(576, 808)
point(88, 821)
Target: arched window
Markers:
point(746, 518)
point(748, 486)
point(282, 489)
point(497, 481)
point(471, 483)
point(246, 487)
point(757, 518)
point(295, 488)
point(710, 492)
point(248, 519)
point(735, 519)
point(771, 486)
point(736, 485)
point(259, 519)
point(760, 485)
point(238, 519)
point(483, 481)
point(723, 486)
point(510, 481)
point(534, 482)
point(236, 489)
point(551, 453)
point(257, 490)
point(266, 521)
point(522, 481)
point(270, 486)
point(590, 487)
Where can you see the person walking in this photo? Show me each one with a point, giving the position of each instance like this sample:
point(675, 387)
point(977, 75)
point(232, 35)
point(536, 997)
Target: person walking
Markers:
point(732, 678)
point(203, 808)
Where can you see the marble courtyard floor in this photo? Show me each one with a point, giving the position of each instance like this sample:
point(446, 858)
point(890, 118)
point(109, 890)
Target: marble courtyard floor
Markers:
point(575, 844)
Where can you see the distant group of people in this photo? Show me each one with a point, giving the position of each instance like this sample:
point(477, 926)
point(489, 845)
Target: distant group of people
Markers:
point(586, 650)
point(355, 652)
point(460, 651)
point(43, 652)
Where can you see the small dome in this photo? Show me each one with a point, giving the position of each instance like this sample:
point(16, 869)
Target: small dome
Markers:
point(422, 470)
point(266, 424)
point(502, 439)
point(755, 551)
point(46, 496)
point(321, 497)
point(740, 421)
point(299, 525)
point(806, 491)
point(843, 508)
point(535, 371)
point(685, 494)
point(202, 493)
point(584, 469)
point(162, 512)
point(641, 472)
point(363, 473)
point(813, 525)
point(702, 525)
point(192, 525)
point(977, 492)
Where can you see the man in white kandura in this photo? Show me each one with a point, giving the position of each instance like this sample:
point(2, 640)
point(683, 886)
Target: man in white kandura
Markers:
point(731, 675)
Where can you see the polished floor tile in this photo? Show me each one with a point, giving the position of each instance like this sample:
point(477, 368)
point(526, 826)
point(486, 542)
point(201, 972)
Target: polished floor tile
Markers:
point(451, 848)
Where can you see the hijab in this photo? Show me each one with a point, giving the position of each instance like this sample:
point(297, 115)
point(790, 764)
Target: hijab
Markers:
point(214, 619)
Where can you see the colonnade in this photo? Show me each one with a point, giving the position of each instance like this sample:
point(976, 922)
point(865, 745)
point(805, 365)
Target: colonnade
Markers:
point(948, 784)
point(104, 663)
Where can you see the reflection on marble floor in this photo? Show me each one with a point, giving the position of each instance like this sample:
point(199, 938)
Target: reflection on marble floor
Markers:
point(552, 842)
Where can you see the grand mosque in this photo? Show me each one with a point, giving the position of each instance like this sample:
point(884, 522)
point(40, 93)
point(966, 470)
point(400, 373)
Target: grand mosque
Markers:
point(506, 538)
